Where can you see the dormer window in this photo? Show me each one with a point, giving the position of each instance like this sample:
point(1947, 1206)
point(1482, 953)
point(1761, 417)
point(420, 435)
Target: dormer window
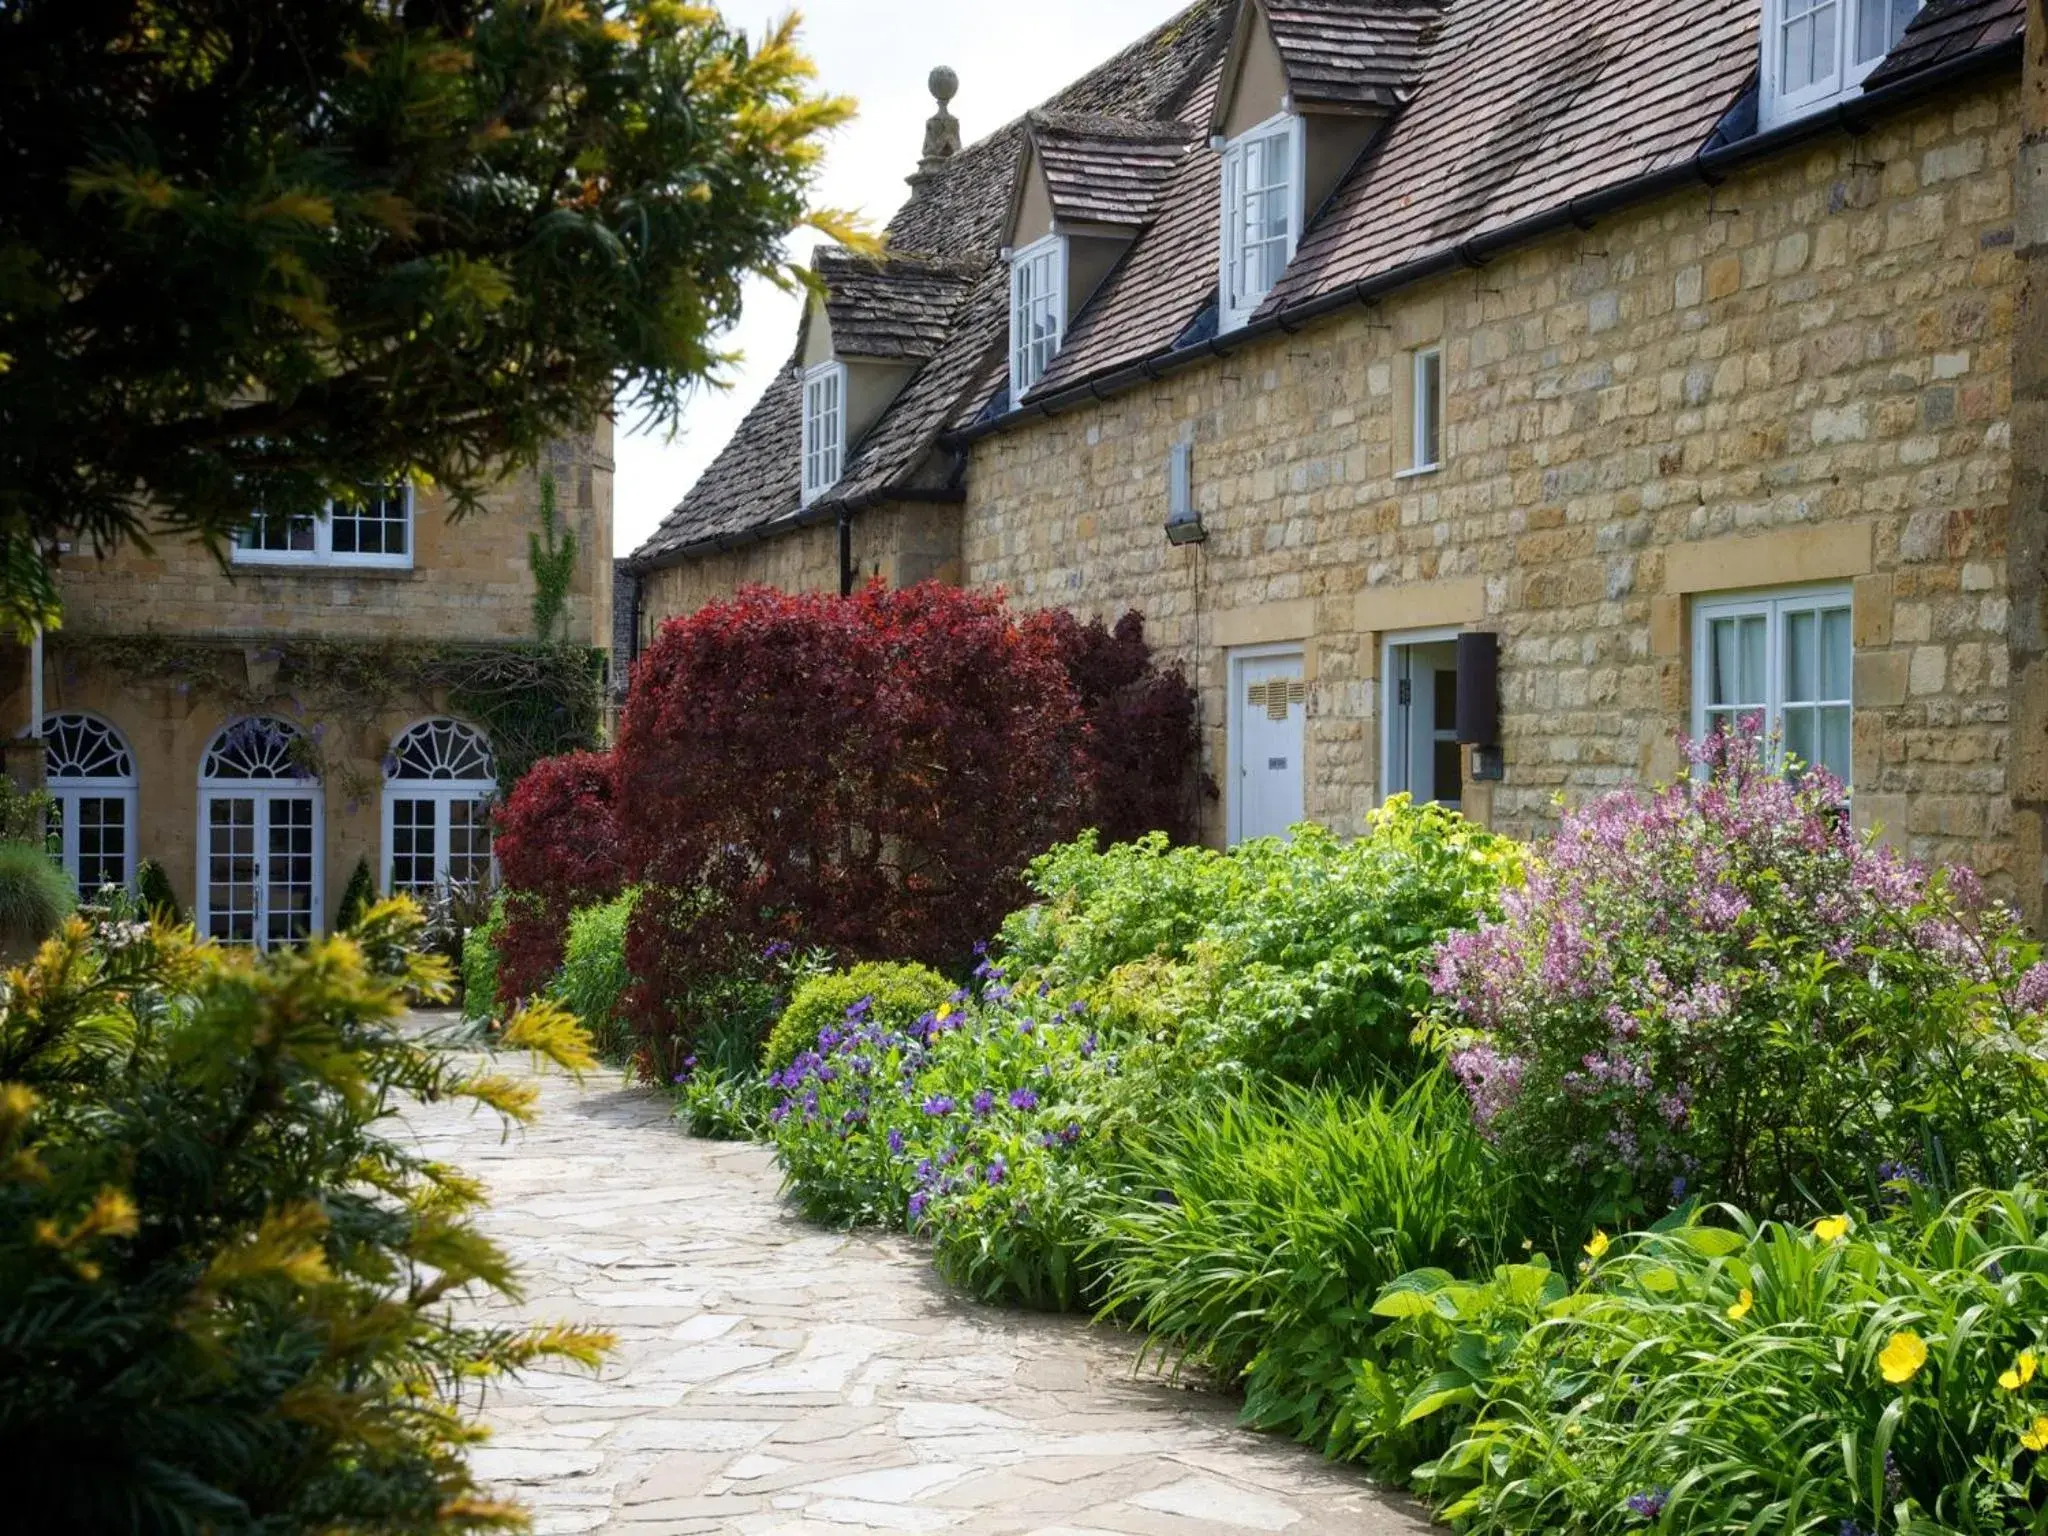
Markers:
point(1817, 52)
point(1262, 213)
point(824, 428)
point(1038, 310)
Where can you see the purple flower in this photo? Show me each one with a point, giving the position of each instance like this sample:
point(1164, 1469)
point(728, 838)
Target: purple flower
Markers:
point(895, 1141)
point(1070, 1133)
point(918, 1201)
point(984, 1102)
point(1648, 1504)
point(1023, 1098)
point(997, 1172)
point(938, 1105)
point(1088, 1047)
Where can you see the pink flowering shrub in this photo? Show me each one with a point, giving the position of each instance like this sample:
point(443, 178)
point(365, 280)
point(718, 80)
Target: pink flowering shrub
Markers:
point(1721, 988)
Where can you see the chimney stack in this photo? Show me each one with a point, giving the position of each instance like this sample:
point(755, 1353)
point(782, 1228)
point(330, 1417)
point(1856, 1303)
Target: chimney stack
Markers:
point(942, 129)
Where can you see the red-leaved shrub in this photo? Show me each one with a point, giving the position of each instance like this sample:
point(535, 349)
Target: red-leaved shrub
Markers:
point(1144, 739)
point(558, 849)
point(870, 774)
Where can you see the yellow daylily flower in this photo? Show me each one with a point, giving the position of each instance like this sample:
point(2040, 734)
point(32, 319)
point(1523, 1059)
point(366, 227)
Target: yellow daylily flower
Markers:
point(1743, 1303)
point(1903, 1355)
point(1597, 1245)
point(1831, 1229)
point(2036, 1438)
point(2021, 1373)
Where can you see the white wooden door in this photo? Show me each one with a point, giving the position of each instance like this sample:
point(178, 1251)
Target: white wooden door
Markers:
point(1268, 709)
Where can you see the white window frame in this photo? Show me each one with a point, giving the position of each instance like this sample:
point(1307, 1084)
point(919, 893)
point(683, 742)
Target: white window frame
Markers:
point(1046, 261)
point(323, 552)
point(1396, 757)
point(1235, 307)
point(262, 791)
point(68, 790)
point(823, 443)
point(1425, 408)
point(1778, 105)
point(1773, 605)
point(479, 793)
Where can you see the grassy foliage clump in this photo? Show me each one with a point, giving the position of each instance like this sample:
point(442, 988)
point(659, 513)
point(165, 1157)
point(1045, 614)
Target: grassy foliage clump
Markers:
point(230, 1294)
point(35, 895)
point(594, 977)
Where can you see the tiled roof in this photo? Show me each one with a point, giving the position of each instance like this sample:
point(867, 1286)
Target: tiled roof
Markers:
point(956, 216)
point(1107, 170)
point(1947, 29)
point(1361, 55)
point(898, 307)
point(1509, 111)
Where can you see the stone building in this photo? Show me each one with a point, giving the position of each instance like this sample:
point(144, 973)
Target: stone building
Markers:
point(1475, 395)
point(349, 688)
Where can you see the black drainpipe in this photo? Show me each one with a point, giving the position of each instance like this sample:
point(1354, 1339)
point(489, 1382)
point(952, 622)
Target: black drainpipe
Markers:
point(846, 551)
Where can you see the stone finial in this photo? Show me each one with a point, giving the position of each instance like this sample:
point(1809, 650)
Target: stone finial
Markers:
point(942, 129)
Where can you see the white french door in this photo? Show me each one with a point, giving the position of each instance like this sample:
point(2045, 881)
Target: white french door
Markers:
point(262, 865)
point(435, 837)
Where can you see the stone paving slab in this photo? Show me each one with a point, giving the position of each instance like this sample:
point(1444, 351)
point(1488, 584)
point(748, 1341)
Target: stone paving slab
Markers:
point(777, 1379)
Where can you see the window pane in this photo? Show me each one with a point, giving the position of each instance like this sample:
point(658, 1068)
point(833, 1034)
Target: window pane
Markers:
point(1879, 26)
point(1755, 643)
point(1801, 734)
point(1428, 412)
point(102, 843)
point(1834, 753)
point(1836, 655)
point(1801, 665)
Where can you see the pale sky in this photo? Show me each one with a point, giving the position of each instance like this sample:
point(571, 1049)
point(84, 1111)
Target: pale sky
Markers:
point(1009, 58)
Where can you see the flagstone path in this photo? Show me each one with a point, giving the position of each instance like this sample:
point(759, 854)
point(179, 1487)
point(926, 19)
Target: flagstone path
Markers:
point(773, 1377)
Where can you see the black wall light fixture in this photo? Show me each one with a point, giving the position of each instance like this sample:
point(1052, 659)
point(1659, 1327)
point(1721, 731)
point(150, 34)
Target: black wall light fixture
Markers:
point(1478, 718)
point(1183, 522)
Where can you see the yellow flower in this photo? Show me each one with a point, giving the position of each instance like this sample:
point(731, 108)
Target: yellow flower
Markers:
point(1903, 1355)
point(2021, 1373)
point(945, 1012)
point(1597, 1247)
point(1742, 1305)
point(1831, 1229)
point(2036, 1437)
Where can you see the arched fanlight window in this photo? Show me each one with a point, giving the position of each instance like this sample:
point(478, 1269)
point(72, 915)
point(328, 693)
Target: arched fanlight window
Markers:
point(90, 775)
point(261, 835)
point(439, 782)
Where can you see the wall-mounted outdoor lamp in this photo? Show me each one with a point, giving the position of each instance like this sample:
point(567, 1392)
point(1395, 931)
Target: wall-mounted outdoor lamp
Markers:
point(1183, 522)
point(1478, 717)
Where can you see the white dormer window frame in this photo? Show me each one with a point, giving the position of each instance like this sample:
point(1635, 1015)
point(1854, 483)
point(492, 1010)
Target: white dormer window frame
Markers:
point(1817, 52)
point(1038, 310)
point(824, 428)
point(1263, 192)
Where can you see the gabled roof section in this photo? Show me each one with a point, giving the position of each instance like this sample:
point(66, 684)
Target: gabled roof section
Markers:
point(1947, 29)
point(1353, 55)
point(947, 234)
point(893, 308)
point(1106, 170)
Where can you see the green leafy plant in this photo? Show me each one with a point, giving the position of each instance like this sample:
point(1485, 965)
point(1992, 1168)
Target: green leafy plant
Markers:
point(35, 895)
point(358, 896)
point(154, 894)
point(24, 813)
point(594, 977)
point(1810, 1380)
point(480, 964)
point(551, 555)
point(892, 995)
point(1252, 1235)
point(236, 1303)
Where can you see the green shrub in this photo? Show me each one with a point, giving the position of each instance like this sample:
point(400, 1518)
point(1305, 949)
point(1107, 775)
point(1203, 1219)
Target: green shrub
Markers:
point(896, 997)
point(725, 1106)
point(1772, 1378)
point(153, 891)
point(480, 964)
point(594, 975)
point(35, 896)
point(1309, 958)
point(230, 1292)
point(1252, 1235)
point(24, 813)
point(357, 897)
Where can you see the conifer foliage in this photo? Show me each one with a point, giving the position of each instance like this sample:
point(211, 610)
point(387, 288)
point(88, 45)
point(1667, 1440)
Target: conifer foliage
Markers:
point(224, 1290)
